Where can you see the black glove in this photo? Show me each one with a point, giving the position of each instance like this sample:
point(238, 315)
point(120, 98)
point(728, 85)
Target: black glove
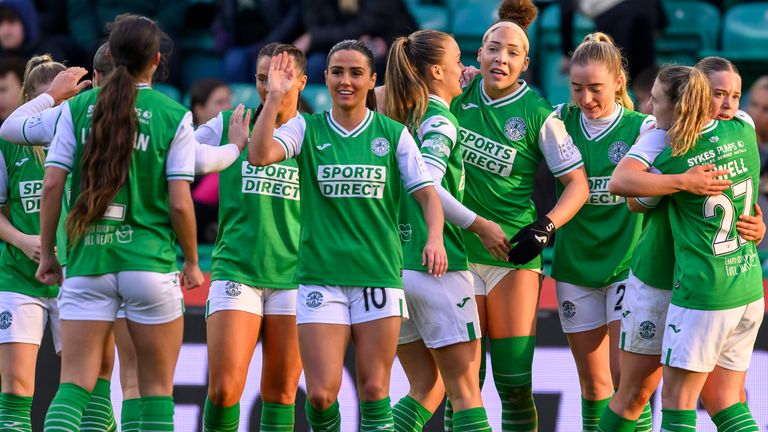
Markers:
point(528, 243)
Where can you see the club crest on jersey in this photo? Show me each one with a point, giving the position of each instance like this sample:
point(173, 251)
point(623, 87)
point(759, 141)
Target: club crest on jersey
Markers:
point(314, 299)
point(515, 128)
point(380, 146)
point(647, 330)
point(617, 151)
point(233, 289)
point(566, 148)
point(406, 232)
point(569, 309)
point(6, 319)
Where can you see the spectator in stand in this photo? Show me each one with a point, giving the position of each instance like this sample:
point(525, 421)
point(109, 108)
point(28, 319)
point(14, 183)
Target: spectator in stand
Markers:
point(208, 97)
point(641, 87)
point(633, 25)
point(758, 109)
point(88, 21)
point(375, 22)
point(242, 28)
point(18, 28)
point(11, 77)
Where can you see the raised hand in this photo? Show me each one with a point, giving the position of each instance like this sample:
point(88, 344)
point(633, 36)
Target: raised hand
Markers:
point(239, 126)
point(282, 76)
point(67, 84)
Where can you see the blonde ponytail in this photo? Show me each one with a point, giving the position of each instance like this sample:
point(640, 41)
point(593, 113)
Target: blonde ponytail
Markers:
point(599, 48)
point(688, 89)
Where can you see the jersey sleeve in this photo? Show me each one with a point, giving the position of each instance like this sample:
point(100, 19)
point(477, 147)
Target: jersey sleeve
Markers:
point(648, 147)
point(180, 163)
point(649, 202)
point(557, 146)
point(210, 133)
point(3, 181)
point(291, 136)
point(648, 124)
point(61, 154)
point(455, 212)
point(413, 171)
point(438, 137)
point(214, 158)
point(746, 117)
point(33, 123)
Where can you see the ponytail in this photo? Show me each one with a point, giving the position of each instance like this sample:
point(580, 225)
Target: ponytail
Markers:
point(133, 42)
point(599, 48)
point(688, 89)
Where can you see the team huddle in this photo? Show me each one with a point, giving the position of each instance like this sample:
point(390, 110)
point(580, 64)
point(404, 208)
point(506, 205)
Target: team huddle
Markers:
point(401, 220)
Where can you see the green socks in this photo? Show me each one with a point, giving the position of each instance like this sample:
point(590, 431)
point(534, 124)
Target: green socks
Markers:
point(98, 415)
point(735, 418)
point(471, 420)
point(410, 415)
point(276, 417)
point(448, 411)
point(591, 412)
point(645, 422)
point(376, 415)
point(678, 420)
point(14, 413)
point(511, 360)
point(156, 414)
point(67, 408)
point(221, 419)
point(612, 422)
point(130, 415)
point(448, 416)
point(327, 420)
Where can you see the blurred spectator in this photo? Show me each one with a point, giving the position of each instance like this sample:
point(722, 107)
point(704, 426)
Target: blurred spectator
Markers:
point(243, 27)
point(11, 77)
point(758, 109)
point(375, 22)
point(88, 21)
point(208, 97)
point(18, 28)
point(641, 87)
point(633, 24)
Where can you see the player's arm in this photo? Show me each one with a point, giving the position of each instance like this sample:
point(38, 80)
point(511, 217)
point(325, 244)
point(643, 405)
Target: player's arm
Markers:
point(752, 228)
point(215, 158)
point(29, 244)
point(264, 149)
point(632, 179)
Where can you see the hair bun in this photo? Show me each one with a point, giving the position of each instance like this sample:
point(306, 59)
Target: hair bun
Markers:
point(521, 12)
point(599, 37)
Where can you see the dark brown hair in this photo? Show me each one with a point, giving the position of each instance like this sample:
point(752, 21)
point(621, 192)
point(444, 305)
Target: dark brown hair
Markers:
point(134, 41)
point(520, 12)
point(356, 45)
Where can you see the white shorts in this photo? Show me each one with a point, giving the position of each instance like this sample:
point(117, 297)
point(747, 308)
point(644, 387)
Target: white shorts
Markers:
point(583, 308)
point(23, 318)
point(149, 297)
point(486, 277)
point(231, 295)
point(442, 310)
point(121, 312)
point(333, 304)
point(697, 340)
point(644, 312)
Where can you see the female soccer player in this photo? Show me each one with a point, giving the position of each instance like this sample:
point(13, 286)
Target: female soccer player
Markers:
point(592, 252)
point(441, 338)
point(131, 153)
point(505, 130)
point(351, 163)
point(259, 207)
point(651, 277)
point(717, 300)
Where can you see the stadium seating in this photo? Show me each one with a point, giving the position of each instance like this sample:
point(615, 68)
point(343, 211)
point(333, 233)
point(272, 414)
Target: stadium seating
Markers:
point(693, 26)
point(316, 95)
point(245, 94)
point(471, 19)
point(429, 16)
point(168, 90)
point(745, 31)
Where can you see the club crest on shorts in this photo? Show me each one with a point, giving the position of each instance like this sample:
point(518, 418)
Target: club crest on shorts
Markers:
point(569, 309)
point(617, 151)
point(515, 128)
point(647, 330)
point(380, 146)
point(6, 319)
point(314, 299)
point(233, 289)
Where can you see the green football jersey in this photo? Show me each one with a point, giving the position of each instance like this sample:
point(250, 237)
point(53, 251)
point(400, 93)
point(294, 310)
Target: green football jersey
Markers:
point(502, 142)
point(350, 186)
point(716, 269)
point(21, 187)
point(258, 237)
point(135, 232)
point(594, 248)
point(437, 138)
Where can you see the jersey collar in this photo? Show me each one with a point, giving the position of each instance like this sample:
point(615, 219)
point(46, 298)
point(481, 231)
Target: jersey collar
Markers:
point(438, 100)
point(357, 130)
point(141, 86)
point(611, 126)
point(709, 127)
point(506, 100)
